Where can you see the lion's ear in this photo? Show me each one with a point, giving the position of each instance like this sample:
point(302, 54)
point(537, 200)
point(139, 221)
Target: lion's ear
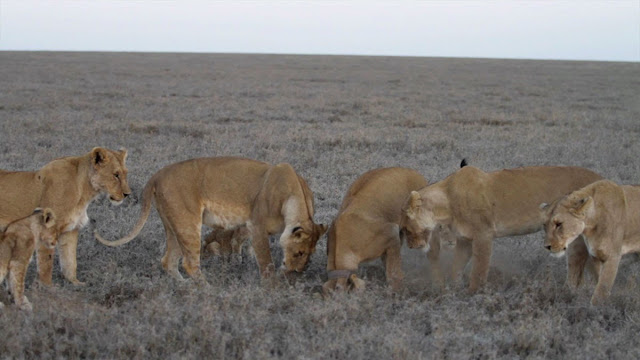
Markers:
point(544, 210)
point(123, 151)
point(48, 218)
point(583, 208)
point(99, 156)
point(415, 202)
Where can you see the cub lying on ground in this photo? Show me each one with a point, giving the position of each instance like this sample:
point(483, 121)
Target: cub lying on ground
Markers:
point(228, 193)
point(607, 215)
point(67, 186)
point(367, 226)
point(17, 245)
point(477, 207)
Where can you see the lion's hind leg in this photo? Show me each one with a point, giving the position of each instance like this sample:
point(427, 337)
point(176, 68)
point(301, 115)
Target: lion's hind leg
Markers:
point(187, 236)
point(172, 254)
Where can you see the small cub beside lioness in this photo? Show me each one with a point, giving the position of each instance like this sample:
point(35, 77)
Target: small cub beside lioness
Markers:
point(607, 215)
point(17, 244)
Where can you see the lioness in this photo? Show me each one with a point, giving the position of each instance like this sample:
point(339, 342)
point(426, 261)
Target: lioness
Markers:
point(228, 193)
point(478, 207)
point(607, 215)
point(67, 186)
point(17, 245)
point(367, 226)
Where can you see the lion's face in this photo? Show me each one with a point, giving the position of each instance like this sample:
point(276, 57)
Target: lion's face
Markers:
point(110, 173)
point(561, 229)
point(416, 236)
point(299, 244)
point(418, 219)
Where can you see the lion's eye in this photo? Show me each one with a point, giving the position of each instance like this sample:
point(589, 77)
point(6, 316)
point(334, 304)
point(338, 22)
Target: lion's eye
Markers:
point(298, 254)
point(117, 175)
point(558, 225)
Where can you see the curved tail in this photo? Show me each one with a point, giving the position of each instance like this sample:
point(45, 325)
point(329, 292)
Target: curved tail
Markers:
point(144, 215)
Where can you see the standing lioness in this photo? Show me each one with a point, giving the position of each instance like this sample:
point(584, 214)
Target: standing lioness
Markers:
point(66, 186)
point(607, 215)
point(367, 226)
point(227, 193)
point(478, 207)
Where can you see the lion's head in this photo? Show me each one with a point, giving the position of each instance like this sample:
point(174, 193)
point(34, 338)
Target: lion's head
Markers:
point(419, 217)
point(299, 244)
point(565, 222)
point(109, 173)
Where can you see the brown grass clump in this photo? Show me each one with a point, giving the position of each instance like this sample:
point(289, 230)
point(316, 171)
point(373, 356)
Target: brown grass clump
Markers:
point(332, 118)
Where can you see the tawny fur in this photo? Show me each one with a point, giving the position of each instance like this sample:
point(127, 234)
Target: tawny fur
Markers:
point(67, 186)
point(17, 244)
point(597, 224)
point(477, 207)
point(228, 193)
point(368, 225)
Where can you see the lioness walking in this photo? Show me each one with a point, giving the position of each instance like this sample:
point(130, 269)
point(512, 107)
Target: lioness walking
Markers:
point(478, 206)
point(607, 215)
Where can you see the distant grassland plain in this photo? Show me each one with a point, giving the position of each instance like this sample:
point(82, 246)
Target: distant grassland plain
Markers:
point(332, 118)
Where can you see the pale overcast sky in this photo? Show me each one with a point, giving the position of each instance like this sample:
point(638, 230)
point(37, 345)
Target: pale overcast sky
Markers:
point(577, 30)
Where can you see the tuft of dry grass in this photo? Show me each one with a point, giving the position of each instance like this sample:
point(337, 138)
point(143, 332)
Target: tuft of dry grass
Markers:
point(332, 118)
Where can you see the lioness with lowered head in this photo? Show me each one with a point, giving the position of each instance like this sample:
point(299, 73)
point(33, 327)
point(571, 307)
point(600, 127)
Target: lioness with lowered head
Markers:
point(228, 193)
point(66, 186)
point(367, 227)
point(607, 216)
point(478, 206)
point(17, 244)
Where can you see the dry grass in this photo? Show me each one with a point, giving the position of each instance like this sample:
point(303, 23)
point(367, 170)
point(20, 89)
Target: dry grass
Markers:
point(332, 118)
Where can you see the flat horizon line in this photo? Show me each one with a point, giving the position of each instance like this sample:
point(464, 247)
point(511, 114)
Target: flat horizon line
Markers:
point(315, 54)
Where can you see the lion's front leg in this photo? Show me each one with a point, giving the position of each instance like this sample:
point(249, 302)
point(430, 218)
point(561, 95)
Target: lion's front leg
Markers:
point(260, 243)
point(44, 258)
point(68, 245)
point(17, 273)
point(5, 258)
point(608, 273)
point(481, 253)
point(434, 259)
point(577, 256)
point(461, 257)
point(393, 267)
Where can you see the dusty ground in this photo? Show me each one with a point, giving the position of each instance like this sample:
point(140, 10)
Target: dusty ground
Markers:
point(332, 118)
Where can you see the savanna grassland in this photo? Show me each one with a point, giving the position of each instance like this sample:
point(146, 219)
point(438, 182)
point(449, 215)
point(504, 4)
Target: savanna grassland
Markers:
point(332, 118)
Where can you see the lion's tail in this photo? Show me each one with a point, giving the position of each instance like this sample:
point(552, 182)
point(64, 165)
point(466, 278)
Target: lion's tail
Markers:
point(147, 197)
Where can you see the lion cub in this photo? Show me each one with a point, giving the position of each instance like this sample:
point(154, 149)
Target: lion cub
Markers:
point(17, 245)
point(607, 216)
